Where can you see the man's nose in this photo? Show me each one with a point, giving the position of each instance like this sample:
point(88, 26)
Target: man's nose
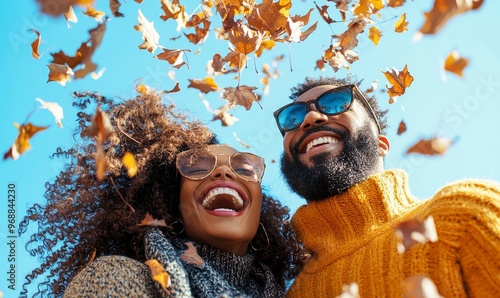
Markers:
point(313, 118)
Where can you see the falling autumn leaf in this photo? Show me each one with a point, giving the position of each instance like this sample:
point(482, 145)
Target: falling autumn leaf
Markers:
point(241, 95)
point(395, 3)
point(401, 127)
point(149, 35)
point(100, 129)
point(415, 231)
point(225, 118)
point(93, 13)
point(22, 142)
point(60, 7)
point(443, 11)
point(373, 87)
point(400, 80)
point(455, 63)
point(433, 146)
point(59, 73)
point(294, 24)
point(70, 15)
point(244, 39)
point(374, 35)
point(35, 44)
point(269, 18)
point(150, 221)
point(206, 85)
point(114, 5)
point(320, 64)
point(420, 287)
point(159, 274)
point(54, 108)
point(191, 255)
point(130, 164)
point(174, 57)
point(401, 25)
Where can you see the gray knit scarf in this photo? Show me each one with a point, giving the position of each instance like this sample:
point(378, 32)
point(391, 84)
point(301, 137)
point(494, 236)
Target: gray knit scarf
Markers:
point(223, 274)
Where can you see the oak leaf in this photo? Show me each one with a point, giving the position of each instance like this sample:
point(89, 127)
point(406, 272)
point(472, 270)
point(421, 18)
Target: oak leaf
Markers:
point(22, 142)
point(128, 161)
point(100, 129)
point(400, 80)
point(455, 63)
point(54, 108)
point(205, 85)
point(35, 44)
point(114, 5)
point(159, 274)
point(191, 256)
point(93, 13)
point(241, 95)
point(149, 35)
point(59, 73)
point(418, 286)
point(244, 39)
point(60, 7)
point(374, 35)
point(443, 11)
point(150, 221)
point(433, 146)
point(401, 25)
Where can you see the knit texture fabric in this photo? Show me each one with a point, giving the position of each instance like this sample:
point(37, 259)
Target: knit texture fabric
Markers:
point(352, 240)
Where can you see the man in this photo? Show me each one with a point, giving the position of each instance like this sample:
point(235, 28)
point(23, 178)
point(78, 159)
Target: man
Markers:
point(333, 157)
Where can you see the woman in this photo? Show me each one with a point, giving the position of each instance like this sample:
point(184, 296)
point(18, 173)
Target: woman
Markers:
point(206, 195)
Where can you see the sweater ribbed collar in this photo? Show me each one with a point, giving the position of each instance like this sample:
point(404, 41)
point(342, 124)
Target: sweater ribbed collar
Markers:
point(349, 220)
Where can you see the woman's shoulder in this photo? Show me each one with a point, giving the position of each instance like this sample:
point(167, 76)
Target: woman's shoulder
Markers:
point(112, 276)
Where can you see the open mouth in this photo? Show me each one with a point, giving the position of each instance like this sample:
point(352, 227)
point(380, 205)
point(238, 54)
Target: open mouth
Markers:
point(320, 141)
point(223, 199)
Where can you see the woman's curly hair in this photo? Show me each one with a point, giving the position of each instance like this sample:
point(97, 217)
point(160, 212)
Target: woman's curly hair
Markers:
point(85, 218)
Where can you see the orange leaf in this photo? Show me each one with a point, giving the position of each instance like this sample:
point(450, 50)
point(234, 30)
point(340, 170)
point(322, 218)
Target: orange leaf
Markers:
point(399, 79)
point(320, 64)
point(101, 129)
point(174, 57)
point(415, 231)
point(114, 5)
point(95, 14)
point(401, 127)
point(374, 35)
point(172, 10)
point(455, 63)
point(270, 17)
point(60, 7)
point(92, 257)
point(434, 146)
point(59, 73)
point(21, 144)
point(400, 25)
point(206, 85)
point(244, 39)
point(35, 44)
point(265, 45)
point(241, 95)
point(395, 3)
point(420, 287)
point(130, 164)
point(191, 255)
point(159, 274)
point(149, 35)
point(54, 108)
point(443, 11)
point(150, 221)
point(201, 33)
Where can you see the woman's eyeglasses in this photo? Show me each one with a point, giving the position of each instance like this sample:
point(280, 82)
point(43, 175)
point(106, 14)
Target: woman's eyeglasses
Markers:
point(332, 102)
point(199, 164)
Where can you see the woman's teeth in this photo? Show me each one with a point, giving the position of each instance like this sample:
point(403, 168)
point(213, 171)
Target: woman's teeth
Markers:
point(210, 201)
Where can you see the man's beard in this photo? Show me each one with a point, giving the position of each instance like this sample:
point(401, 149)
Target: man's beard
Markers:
point(332, 175)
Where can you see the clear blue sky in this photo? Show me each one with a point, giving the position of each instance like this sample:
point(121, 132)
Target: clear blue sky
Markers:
point(465, 109)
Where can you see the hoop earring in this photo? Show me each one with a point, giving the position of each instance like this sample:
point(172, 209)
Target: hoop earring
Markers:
point(173, 229)
point(267, 238)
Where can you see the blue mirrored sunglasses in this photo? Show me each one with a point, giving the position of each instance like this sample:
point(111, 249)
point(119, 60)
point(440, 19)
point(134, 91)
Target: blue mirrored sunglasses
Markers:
point(332, 102)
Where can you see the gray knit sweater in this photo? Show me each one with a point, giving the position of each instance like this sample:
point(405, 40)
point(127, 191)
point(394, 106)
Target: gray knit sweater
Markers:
point(223, 274)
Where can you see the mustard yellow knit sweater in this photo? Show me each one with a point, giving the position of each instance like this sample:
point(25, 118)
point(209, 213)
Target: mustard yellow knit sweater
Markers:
point(352, 239)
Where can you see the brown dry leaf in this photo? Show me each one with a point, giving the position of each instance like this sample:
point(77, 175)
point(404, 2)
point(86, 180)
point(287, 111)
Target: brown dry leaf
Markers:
point(374, 35)
point(176, 88)
point(373, 87)
point(93, 13)
point(269, 18)
point(342, 7)
point(172, 10)
point(60, 7)
point(174, 57)
point(54, 108)
point(350, 291)
point(244, 39)
point(159, 274)
point(415, 231)
point(455, 63)
point(149, 35)
point(420, 287)
point(400, 80)
point(101, 129)
point(434, 146)
point(225, 118)
point(324, 13)
point(70, 16)
point(191, 255)
point(337, 58)
point(241, 95)
point(150, 221)
point(395, 3)
point(206, 85)
point(201, 32)
point(22, 142)
point(294, 24)
point(347, 40)
point(320, 64)
point(236, 60)
point(401, 25)
point(443, 11)
point(114, 5)
point(59, 73)
point(401, 127)
point(35, 44)
point(130, 164)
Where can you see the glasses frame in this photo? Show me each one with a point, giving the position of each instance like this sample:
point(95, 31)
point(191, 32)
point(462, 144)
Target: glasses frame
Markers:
point(354, 89)
point(230, 156)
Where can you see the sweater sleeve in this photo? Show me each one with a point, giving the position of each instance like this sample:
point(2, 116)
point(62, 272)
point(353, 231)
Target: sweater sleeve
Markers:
point(112, 276)
point(479, 252)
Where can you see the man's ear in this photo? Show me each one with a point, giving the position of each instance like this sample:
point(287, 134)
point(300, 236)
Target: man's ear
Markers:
point(383, 145)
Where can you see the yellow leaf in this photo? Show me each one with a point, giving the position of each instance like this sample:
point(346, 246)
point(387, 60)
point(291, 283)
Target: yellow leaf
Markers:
point(455, 63)
point(374, 34)
point(159, 274)
point(399, 79)
point(400, 25)
point(93, 13)
point(21, 144)
point(130, 164)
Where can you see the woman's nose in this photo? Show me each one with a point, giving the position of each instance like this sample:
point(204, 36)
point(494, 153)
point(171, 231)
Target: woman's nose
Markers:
point(223, 172)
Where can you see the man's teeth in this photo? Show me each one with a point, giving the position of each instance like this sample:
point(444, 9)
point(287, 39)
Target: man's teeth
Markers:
point(320, 141)
point(212, 194)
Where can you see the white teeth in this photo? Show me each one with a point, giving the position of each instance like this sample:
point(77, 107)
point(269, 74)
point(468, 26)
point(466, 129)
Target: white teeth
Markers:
point(319, 141)
point(210, 197)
